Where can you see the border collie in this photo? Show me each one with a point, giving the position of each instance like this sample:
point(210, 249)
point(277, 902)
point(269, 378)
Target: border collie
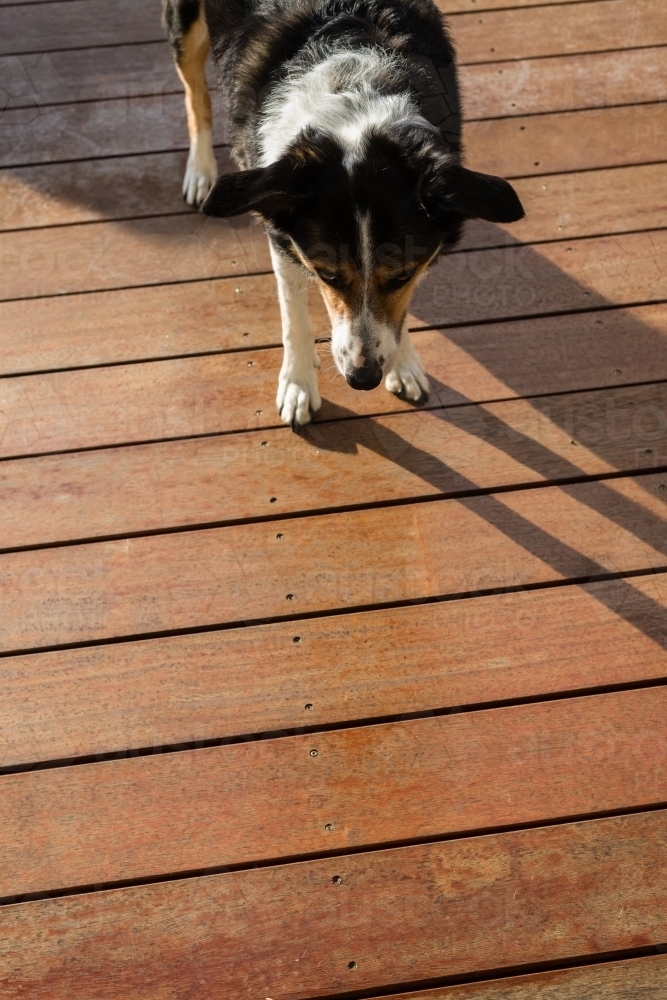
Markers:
point(344, 121)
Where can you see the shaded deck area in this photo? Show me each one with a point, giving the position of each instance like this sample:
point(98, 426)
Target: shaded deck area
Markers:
point(379, 710)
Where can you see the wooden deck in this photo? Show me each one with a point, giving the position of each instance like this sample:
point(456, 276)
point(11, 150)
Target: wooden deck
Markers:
point(381, 709)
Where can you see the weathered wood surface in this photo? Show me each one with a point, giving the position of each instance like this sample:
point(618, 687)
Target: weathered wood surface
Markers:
point(581, 130)
point(236, 391)
point(569, 140)
point(492, 283)
point(538, 355)
point(500, 34)
point(643, 978)
point(397, 916)
point(597, 202)
point(563, 83)
point(273, 799)
point(253, 572)
point(220, 685)
point(528, 86)
point(77, 24)
point(115, 72)
point(350, 463)
point(594, 26)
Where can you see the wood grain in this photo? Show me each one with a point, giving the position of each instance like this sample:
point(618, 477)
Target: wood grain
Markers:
point(555, 30)
point(207, 395)
point(628, 980)
point(89, 74)
point(540, 355)
point(596, 202)
point(563, 83)
point(399, 916)
point(382, 784)
point(136, 124)
point(530, 86)
point(187, 689)
point(113, 492)
point(540, 144)
point(254, 572)
point(73, 24)
point(104, 255)
point(502, 282)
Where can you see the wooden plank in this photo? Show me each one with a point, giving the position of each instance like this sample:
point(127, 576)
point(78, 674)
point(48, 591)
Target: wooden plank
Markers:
point(136, 323)
point(140, 124)
point(461, 6)
point(198, 809)
point(179, 320)
point(137, 252)
point(563, 83)
point(89, 74)
point(607, 137)
point(596, 202)
point(555, 30)
point(173, 582)
point(460, 287)
point(220, 685)
point(530, 86)
point(102, 128)
point(627, 980)
point(397, 916)
point(209, 481)
point(76, 24)
point(151, 401)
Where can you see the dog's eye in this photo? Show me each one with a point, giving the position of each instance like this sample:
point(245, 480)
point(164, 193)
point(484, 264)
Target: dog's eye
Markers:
point(398, 281)
point(330, 278)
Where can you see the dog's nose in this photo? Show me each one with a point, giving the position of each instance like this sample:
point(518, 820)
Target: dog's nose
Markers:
point(368, 377)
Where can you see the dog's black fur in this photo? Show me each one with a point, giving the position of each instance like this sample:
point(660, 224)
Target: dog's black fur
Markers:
point(404, 176)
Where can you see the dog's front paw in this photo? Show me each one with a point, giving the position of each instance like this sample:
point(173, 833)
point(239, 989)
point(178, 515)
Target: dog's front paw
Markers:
point(407, 378)
point(201, 171)
point(298, 396)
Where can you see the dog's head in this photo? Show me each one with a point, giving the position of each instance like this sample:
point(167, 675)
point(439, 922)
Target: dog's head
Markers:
point(366, 228)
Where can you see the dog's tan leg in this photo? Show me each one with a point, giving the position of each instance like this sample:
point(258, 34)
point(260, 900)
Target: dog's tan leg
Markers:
point(191, 51)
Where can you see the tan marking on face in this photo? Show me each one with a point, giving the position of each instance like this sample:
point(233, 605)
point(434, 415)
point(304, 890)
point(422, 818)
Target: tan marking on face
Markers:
point(345, 304)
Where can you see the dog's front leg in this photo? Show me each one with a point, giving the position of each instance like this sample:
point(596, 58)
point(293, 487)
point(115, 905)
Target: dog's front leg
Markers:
point(298, 395)
point(406, 378)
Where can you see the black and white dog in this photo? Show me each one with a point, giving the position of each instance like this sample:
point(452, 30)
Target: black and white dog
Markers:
point(344, 121)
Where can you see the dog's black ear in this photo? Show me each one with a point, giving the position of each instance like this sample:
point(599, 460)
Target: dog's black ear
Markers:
point(473, 196)
point(273, 192)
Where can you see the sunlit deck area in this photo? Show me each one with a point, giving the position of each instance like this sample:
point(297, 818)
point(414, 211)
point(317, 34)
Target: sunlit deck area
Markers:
point(376, 710)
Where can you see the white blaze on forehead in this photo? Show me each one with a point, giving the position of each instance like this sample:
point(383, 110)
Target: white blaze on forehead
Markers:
point(365, 249)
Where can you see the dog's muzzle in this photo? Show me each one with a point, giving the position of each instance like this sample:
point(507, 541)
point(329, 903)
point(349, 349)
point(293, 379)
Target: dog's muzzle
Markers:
point(367, 377)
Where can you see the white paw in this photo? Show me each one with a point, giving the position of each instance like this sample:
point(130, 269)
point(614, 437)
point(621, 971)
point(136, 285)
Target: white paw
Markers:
point(201, 171)
point(407, 378)
point(298, 395)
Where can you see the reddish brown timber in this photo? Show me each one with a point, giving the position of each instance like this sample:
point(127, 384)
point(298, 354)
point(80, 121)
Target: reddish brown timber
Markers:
point(148, 585)
point(547, 355)
point(564, 83)
point(570, 140)
point(203, 395)
point(237, 805)
point(556, 30)
point(353, 923)
point(483, 285)
point(530, 86)
point(119, 491)
point(627, 980)
point(73, 24)
point(596, 202)
point(220, 685)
